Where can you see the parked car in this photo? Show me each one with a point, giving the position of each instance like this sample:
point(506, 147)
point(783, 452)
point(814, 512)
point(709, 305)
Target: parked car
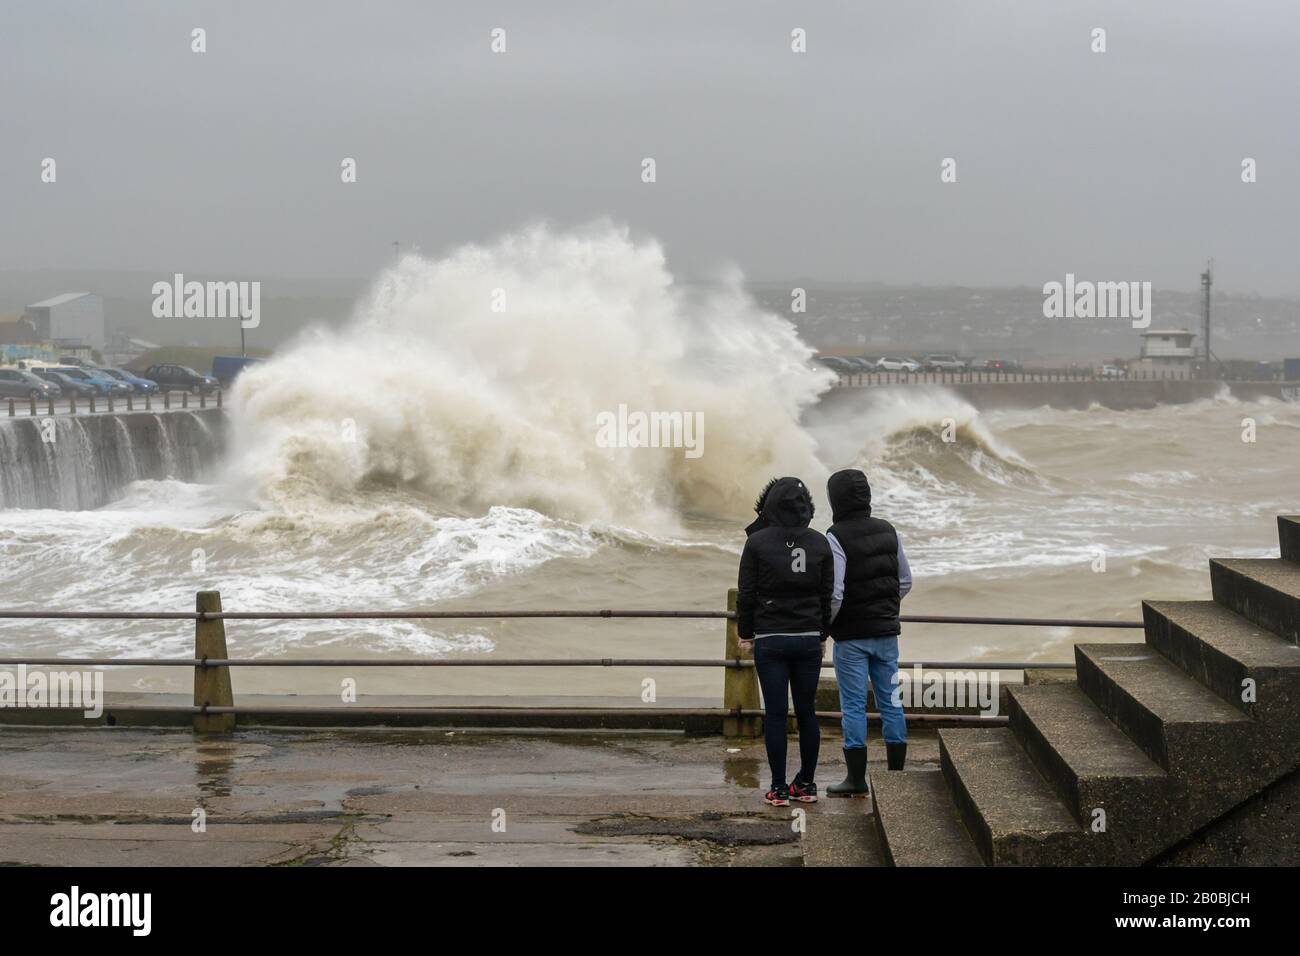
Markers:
point(104, 384)
point(836, 364)
point(1112, 371)
point(16, 383)
point(943, 362)
point(1003, 365)
point(180, 378)
point(141, 386)
point(888, 364)
point(863, 364)
point(68, 386)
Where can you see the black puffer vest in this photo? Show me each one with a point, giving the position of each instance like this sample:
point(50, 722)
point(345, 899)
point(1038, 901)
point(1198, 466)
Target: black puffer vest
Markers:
point(870, 606)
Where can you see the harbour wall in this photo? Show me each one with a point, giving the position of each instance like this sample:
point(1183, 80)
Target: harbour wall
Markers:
point(73, 462)
point(1120, 395)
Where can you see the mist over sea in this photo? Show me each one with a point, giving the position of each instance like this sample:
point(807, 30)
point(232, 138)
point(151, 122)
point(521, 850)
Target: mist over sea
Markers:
point(437, 452)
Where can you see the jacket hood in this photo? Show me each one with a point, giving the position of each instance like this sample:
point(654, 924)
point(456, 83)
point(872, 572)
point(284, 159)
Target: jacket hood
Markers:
point(849, 493)
point(759, 523)
point(787, 503)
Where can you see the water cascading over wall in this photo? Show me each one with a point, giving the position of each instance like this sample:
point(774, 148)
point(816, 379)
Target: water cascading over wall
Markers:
point(94, 457)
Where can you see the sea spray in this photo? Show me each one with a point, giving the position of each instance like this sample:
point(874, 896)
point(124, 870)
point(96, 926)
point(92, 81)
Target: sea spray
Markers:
point(478, 379)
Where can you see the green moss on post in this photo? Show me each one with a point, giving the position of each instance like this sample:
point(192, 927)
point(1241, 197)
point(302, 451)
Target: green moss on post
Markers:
point(211, 684)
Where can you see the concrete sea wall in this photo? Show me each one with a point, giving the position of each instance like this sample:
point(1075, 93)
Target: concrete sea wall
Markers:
point(74, 462)
point(1120, 395)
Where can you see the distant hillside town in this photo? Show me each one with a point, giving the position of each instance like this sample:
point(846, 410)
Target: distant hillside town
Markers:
point(68, 324)
point(853, 318)
point(1008, 324)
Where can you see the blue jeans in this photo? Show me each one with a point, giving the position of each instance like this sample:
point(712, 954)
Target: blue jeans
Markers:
point(876, 657)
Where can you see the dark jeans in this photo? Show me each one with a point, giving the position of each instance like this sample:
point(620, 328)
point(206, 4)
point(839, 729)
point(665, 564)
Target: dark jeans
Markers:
point(789, 665)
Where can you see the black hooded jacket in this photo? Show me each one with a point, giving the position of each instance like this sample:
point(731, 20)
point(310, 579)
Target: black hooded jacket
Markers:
point(871, 601)
point(787, 572)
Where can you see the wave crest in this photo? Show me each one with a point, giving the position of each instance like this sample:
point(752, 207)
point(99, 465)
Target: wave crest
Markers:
point(477, 379)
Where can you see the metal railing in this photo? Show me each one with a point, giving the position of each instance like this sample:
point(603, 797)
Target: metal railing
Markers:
point(168, 400)
point(867, 378)
point(214, 707)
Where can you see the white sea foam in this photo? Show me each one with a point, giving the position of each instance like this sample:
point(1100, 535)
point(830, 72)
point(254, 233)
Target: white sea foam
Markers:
point(431, 389)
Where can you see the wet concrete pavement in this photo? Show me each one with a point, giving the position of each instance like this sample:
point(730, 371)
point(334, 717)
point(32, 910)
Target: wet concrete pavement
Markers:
point(125, 796)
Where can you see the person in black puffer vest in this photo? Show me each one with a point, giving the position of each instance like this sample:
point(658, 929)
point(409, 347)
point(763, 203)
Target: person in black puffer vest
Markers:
point(783, 614)
point(871, 577)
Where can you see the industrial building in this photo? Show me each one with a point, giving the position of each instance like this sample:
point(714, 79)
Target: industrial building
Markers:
point(74, 318)
point(1166, 353)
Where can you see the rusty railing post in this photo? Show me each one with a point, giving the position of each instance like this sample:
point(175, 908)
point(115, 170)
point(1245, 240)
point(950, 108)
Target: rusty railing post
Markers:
point(740, 684)
point(211, 684)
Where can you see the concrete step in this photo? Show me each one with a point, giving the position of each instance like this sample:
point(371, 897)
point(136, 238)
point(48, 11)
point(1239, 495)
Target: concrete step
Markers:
point(841, 839)
point(1265, 591)
point(1179, 723)
point(1091, 764)
point(1288, 534)
point(917, 822)
point(1011, 811)
point(1224, 651)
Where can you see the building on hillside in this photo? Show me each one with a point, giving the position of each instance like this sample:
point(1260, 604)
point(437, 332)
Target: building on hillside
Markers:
point(19, 342)
point(16, 330)
point(1166, 353)
point(71, 319)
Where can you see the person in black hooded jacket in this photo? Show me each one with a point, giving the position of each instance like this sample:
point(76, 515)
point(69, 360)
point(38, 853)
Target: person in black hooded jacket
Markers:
point(783, 613)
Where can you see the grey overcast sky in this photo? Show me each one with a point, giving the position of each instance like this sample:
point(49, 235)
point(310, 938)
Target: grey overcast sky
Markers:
point(1117, 165)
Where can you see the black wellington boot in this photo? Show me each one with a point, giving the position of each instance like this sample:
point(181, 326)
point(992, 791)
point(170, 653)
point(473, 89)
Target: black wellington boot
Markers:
point(896, 755)
point(855, 784)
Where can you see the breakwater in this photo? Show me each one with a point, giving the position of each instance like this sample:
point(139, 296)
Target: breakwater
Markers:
point(84, 461)
point(1121, 395)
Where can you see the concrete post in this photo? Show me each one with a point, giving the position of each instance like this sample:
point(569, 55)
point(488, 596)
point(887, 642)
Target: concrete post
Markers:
point(167, 399)
point(130, 405)
point(211, 684)
point(220, 392)
point(740, 685)
point(32, 399)
point(92, 404)
point(11, 408)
